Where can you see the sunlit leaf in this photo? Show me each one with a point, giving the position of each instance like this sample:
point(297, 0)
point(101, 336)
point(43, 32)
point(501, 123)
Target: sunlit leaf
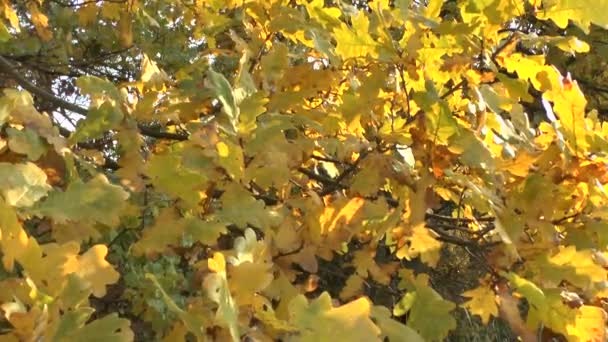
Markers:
point(356, 41)
point(482, 302)
point(319, 320)
point(22, 184)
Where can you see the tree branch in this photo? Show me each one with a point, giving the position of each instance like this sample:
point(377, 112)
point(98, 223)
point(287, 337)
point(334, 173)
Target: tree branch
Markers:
point(7, 67)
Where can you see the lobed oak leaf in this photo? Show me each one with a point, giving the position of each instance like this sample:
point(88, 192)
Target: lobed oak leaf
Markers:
point(320, 321)
point(152, 77)
point(230, 157)
point(264, 312)
point(98, 121)
point(94, 201)
point(589, 325)
point(577, 267)
point(583, 13)
point(247, 279)
point(241, 208)
point(93, 269)
point(356, 41)
point(27, 325)
point(482, 303)
point(23, 184)
point(569, 104)
point(392, 329)
point(110, 328)
point(171, 230)
point(251, 107)
point(341, 213)
point(11, 15)
point(40, 21)
point(14, 241)
point(171, 175)
point(26, 142)
point(352, 288)
point(225, 94)
point(423, 303)
point(422, 243)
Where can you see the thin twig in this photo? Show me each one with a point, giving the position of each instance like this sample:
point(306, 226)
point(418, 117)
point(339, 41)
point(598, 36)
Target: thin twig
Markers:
point(453, 89)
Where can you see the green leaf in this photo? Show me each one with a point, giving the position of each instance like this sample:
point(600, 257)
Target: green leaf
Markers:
point(392, 329)
point(75, 292)
point(241, 209)
point(568, 264)
point(250, 108)
point(472, 150)
point(169, 175)
point(427, 303)
point(94, 201)
point(223, 91)
point(22, 184)
point(205, 232)
point(110, 328)
point(25, 142)
point(194, 323)
point(441, 124)
point(405, 304)
point(231, 158)
point(275, 62)
point(98, 121)
point(98, 88)
point(5, 35)
point(528, 289)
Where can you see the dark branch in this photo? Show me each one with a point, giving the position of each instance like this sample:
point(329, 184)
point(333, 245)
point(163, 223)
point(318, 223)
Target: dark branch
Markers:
point(8, 68)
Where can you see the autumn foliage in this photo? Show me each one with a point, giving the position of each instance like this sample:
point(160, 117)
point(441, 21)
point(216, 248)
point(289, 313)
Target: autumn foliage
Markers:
point(295, 170)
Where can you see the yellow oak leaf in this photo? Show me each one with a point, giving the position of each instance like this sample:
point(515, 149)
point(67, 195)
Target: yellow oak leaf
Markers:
point(320, 321)
point(13, 239)
point(170, 230)
point(581, 12)
point(248, 278)
point(421, 243)
point(10, 14)
point(340, 213)
point(352, 288)
point(356, 41)
point(578, 267)
point(482, 303)
point(569, 104)
point(93, 268)
point(41, 21)
point(589, 324)
point(152, 77)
